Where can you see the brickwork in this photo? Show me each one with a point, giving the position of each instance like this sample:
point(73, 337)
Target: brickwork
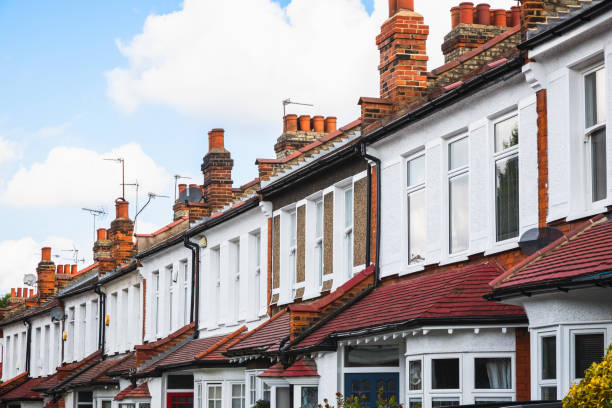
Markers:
point(46, 276)
point(373, 109)
point(403, 58)
point(523, 368)
point(466, 37)
point(537, 13)
point(146, 352)
point(360, 220)
point(542, 157)
point(121, 234)
point(217, 169)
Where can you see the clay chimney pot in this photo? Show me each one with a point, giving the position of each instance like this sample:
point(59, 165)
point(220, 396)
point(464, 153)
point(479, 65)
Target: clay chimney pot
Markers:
point(122, 208)
point(60, 269)
point(73, 270)
point(483, 12)
point(318, 124)
point(330, 124)
point(467, 13)
point(215, 139)
point(455, 16)
point(46, 254)
point(12, 292)
point(291, 123)
point(516, 16)
point(101, 234)
point(500, 18)
point(67, 269)
point(182, 187)
point(18, 292)
point(305, 123)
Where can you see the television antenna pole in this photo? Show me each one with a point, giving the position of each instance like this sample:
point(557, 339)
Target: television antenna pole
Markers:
point(122, 161)
point(137, 185)
point(151, 197)
point(288, 101)
point(95, 213)
point(177, 177)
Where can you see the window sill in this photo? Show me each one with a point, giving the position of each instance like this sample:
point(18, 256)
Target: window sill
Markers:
point(505, 246)
point(585, 214)
point(408, 269)
point(453, 259)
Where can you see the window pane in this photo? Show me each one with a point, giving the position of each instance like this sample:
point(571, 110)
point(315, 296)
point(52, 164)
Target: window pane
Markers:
point(493, 373)
point(598, 165)
point(415, 403)
point(507, 198)
point(414, 371)
point(416, 171)
point(549, 393)
point(368, 356)
point(85, 396)
point(444, 402)
point(310, 396)
point(445, 374)
point(506, 134)
point(458, 154)
point(416, 226)
point(293, 229)
point(319, 222)
point(549, 358)
point(180, 382)
point(589, 349)
point(458, 213)
point(595, 98)
point(348, 208)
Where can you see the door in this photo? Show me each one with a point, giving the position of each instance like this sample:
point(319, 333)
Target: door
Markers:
point(180, 400)
point(366, 386)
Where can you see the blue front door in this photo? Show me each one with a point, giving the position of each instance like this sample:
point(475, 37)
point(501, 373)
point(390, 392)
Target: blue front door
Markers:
point(366, 386)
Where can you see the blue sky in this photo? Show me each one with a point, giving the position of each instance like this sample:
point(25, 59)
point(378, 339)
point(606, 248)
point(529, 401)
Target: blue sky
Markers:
point(65, 65)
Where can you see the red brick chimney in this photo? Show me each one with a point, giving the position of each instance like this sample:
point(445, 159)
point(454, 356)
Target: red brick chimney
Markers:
point(403, 54)
point(121, 234)
point(217, 169)
point(46, 275)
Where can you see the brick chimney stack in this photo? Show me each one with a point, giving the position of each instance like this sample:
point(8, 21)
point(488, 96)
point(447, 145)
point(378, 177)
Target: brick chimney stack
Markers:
point(46, 275)
point(403, 54)
point(102, 251)
point(299, 132)
point(121, 234)
point(217, 169)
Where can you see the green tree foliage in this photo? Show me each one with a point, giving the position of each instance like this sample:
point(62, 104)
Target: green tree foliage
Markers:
point(359, 402)
point(4, 300)
point(595, 389)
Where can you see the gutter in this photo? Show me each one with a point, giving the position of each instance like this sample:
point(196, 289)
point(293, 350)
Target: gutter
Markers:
point(494, 75)
point(566, 25)
point(195, 277)
point(101, 318)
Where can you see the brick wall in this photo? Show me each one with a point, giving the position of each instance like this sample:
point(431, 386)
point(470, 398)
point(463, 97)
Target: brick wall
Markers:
point(523, 367)
point(542, 157)
point(466, 37)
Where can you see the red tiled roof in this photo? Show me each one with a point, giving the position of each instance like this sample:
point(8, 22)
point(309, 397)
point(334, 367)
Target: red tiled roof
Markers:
point(48, 383)
point(451, 294)
point(265, 337)
point(25, 392)
point(275, 371)
point(125, 366)
point(141, 391)
point(221, 344)
point(96, 374)
point(304, 367)
point(160, 342)
point(582, 252)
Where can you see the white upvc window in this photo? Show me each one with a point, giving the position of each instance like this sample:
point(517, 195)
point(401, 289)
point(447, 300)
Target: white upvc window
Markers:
point(136, 316)
point(215, 266)
point(238, 395)
point(37, 352)
point(114, 322)
point(57, 342)
point(170, 282)
point(458, 174)
point(70, 340)
point(348, 231)
point(547, 365)
point(198, 395)
point(292, 249)
point(156, 309)
point(82, 330)
point(214, 395)
point(506, 176)
point(318, 241)
point(416, 210)
point(255, 238)
point(587, 347)
point(95, 330)
point(252, 391)
point(235, 262)
point(48, 357)
point(595, 134)
point(184, 267)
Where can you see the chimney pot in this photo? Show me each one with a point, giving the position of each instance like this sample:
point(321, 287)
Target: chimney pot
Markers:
point(67, 269)
point(122, 208)
point(467, 13)
point(31, 293)
point(516, 16)
point(318, 124)
point(291, 123)
point(483, 13)
point(73, 270)
point(500, 18)
point(396, 5)
point(216, 139)
point(46, 254)
point(60, 269)
point(12, 292)
point(182, 187)
point(455, 16)
point(305, 123)
point(101, 234)
point(19, 292)
point(330, 124)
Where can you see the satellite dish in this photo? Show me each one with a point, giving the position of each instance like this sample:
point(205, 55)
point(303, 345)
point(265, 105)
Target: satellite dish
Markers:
point(183, 196)
point(538, 238)
point(57, 314)
point(29, 279)
point(195, 194)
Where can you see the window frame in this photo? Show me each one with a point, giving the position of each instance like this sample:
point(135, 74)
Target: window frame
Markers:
point(255, 266)
point(235, 264)
point(215, 266)
point(184, 267)
point(495, 157)
point(451, 175)
point(541, 382)
point(348, 236)
point(244, 393)
point(156, 308)
point(207, 386)
point(587, 139)
point(170, 300)
point(572, 337)
point(421, 187)
point(292, 249)
point(319, 241)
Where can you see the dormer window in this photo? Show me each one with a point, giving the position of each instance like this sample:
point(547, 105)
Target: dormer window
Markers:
point(595, 133)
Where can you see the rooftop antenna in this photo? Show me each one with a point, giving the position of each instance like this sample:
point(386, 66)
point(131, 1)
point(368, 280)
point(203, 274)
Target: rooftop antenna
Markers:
point(122, 161)
point(137, 185)
point(288, 101)
point(75, 254)
point(177, 177)
point(95, 213)
point(151, 197)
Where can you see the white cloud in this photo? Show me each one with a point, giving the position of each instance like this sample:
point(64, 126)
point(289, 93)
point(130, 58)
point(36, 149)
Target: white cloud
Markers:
point(20, 257)
point(146, 227)
point(71, 177)
point(52, 131)
point(8, 151)
point(237, 60)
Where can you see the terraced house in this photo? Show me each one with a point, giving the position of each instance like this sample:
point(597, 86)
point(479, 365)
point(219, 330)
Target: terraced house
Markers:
point(448, 247)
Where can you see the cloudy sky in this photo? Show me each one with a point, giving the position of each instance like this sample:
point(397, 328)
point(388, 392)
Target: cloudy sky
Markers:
point(145, 80)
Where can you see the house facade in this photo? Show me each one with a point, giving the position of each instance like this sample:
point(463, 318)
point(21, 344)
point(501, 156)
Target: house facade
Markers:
point(448, 247)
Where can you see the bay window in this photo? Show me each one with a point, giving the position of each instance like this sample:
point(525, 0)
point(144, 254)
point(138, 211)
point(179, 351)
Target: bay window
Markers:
point(348, 231)
point(318, 241)
point(256, 256)
point(416, 209)
point(506, 160)
point(85, 399)
point(214, 396)
point(70, 355)
point(238, 396)
point(548, 367)
point(445, 374)
point(309, 397)
point(493, 373)
point(458, 202)
point(588, 349)
point(595, 133)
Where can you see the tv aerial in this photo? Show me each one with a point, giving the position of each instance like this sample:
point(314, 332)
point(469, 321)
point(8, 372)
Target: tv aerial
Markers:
point(178, 177)
point(122, 161)
point(29, 279)
point(95, 213)
point(152, 196)
point(288, 101)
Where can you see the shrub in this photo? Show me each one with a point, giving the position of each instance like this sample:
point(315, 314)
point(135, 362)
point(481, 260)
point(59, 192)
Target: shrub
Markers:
point(262, 404)
point(359, 402)
point(595, 389)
